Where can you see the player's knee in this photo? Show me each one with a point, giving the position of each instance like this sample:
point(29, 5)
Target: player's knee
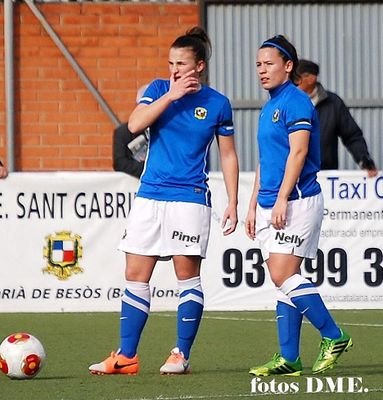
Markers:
point(278, 278)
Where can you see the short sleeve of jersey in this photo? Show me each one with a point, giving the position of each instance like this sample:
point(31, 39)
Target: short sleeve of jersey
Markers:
point(299, 114)
point(154, 91)
point(226, 126)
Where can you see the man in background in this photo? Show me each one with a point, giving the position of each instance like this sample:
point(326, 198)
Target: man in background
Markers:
point(129, 151)
point(335, 121)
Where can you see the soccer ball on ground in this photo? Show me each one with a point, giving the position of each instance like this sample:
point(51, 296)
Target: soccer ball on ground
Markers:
point(21, 356)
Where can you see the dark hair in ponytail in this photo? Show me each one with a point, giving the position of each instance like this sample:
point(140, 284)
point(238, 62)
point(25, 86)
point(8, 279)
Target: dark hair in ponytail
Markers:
point(198, 41)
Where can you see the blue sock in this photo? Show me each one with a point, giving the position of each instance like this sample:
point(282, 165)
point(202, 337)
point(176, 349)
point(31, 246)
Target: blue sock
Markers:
point(189, 313)
point(289, 322)
point(304, 295)
point(134, 313)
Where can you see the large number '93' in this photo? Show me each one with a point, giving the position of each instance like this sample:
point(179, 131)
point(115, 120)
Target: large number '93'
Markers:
point(233, 265)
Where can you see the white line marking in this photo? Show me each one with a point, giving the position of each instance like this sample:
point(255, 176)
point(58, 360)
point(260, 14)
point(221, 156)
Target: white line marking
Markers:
point(223, 396)
point(203, 396)
point(272, 320)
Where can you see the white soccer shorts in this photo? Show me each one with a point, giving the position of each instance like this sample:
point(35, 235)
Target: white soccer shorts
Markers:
point(166, 228)
point(301, 233)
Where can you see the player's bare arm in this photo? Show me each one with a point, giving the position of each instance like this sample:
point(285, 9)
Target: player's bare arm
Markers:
point(250, 218)
point(230, 170)
point(299, 143)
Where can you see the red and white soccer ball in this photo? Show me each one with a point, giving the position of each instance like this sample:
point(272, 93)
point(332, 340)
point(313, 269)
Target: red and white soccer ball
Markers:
point(21, 356)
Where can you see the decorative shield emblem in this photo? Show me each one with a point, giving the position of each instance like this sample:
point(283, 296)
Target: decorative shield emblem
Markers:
point(63, 251)
point(200, 112)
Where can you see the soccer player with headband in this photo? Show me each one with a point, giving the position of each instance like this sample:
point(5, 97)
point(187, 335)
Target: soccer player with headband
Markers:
point(286, 210)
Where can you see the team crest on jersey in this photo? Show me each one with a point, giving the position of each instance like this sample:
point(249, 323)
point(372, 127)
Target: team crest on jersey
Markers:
point(275, 117)
point(200, 113)
point(63, 251)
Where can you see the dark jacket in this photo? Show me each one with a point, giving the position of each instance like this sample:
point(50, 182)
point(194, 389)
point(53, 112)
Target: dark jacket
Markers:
point(122, 156)
point(336, 121)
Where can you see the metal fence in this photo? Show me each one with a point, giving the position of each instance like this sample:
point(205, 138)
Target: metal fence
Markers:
point(345, 39)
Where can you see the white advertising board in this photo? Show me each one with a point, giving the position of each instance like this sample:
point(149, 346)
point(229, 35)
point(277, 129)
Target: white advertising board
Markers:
point(59, 234)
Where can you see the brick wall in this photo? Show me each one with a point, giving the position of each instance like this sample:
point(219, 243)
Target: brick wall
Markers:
point(58, 123)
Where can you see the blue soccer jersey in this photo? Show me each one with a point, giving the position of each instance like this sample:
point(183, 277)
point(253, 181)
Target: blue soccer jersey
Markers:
point(288, 110)
point(176, 166)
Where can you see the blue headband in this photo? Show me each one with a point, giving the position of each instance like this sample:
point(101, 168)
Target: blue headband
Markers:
point(284, 51)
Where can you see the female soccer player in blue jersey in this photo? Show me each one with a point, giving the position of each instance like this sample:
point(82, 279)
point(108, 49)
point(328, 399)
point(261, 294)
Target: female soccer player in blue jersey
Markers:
point(171, 213)
point(286, 210)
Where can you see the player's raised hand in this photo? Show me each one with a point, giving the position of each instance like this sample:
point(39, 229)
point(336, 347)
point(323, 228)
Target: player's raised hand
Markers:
point(182, 85)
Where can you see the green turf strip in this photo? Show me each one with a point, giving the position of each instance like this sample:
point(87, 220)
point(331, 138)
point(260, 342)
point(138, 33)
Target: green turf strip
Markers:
point(227, 345)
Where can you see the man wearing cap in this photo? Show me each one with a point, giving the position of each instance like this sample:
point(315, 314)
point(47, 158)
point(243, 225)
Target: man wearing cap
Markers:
point(335, 121)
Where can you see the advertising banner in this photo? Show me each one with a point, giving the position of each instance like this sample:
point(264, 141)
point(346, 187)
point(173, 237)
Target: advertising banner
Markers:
point(59, 234)
point(348, 270)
